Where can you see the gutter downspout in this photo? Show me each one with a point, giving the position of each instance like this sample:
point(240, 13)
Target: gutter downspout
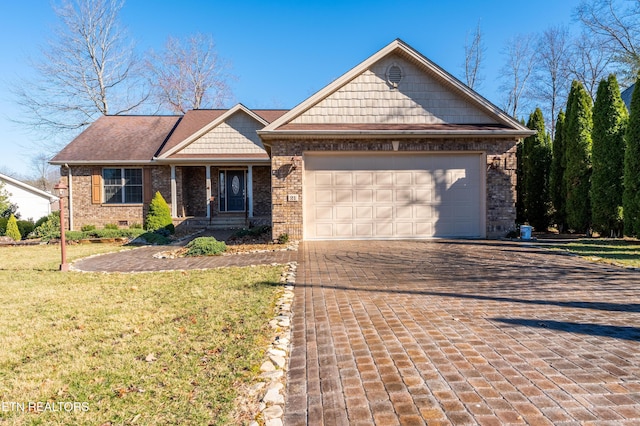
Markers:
point(174, 197)
point(70, 185)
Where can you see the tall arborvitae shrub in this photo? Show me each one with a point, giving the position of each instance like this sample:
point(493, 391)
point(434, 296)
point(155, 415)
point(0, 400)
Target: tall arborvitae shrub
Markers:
point(577, 175)
point(556, 176)
point(631, 195)
point(520, 213)
point(12, 229)
point(607, 157)
point(159, 215)
point(536, 165)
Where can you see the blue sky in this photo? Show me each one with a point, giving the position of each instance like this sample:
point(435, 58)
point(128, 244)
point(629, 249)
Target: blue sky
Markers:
point(281, 52)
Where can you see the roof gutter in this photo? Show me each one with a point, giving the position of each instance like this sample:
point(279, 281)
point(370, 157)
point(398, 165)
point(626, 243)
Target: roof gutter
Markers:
point(384, 134)
point(209, 160)
point(99, 162)
point(157, 160)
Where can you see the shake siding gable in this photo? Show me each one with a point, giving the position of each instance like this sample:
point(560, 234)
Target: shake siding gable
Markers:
point(236, 135)
point(419, 98)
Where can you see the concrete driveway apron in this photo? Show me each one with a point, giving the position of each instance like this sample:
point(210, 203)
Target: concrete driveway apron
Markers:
point(461, 332)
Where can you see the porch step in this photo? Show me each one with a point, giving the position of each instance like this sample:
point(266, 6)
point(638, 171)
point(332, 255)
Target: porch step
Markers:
point(221, 222)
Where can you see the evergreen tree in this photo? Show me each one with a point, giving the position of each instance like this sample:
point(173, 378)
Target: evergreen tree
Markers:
point(577, 141)
point(536, 164)
point(556, 176)
point(607, 157)
point(631, 194)
point(159, 215)
point(12, 229)
point(520, 214)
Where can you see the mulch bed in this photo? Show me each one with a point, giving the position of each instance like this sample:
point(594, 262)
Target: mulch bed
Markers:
point(237, 245)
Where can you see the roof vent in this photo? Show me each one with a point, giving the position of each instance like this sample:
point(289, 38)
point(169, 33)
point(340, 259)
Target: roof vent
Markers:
point(394, 75)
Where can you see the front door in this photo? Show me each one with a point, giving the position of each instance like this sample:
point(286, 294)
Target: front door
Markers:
point(235, 190)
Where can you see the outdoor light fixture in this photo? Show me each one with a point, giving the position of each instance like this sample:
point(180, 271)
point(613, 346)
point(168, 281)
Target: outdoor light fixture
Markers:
point(294, 162)
point(60, 189)
point(495, 163)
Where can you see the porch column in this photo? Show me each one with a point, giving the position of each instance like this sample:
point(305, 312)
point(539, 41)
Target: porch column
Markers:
point(174, 195)
point(208, 176)
point(250, 189)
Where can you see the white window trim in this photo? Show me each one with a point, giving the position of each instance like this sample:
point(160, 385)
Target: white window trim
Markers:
point(122, 185)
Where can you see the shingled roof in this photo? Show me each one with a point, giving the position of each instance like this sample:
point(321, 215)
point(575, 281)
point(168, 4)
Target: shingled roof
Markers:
point(195, 121)
point(118, 139)
point(128, 139)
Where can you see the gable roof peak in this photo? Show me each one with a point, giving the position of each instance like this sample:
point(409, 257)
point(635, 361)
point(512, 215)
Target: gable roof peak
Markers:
point(399, 46)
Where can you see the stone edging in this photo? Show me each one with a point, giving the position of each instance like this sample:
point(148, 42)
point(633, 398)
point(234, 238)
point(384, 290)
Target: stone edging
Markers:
point(273, 376)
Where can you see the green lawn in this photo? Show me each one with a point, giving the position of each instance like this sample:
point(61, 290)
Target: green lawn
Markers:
point(147, 349)
point(616, 252)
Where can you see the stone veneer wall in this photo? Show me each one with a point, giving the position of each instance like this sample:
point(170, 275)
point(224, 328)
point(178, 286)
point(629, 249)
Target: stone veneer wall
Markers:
point(287, 177)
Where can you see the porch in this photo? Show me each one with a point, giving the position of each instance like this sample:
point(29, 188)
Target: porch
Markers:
point(220, 196)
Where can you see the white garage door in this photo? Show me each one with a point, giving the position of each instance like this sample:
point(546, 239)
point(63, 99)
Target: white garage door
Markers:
point(393, 196)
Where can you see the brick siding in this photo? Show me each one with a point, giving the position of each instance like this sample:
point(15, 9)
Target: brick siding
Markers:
point(287, 215)
point(262, 191)
point(190, 195)
point(86, 213)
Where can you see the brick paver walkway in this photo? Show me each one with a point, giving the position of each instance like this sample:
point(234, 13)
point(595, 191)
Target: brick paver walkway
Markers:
point(458, 332)
point(142, 260)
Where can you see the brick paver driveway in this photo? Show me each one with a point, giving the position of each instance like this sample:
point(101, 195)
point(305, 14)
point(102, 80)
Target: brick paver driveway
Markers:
point(461, 332)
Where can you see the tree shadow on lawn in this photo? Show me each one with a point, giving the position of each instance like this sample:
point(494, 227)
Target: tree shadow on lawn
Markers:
point(613, 331)
point(612, 250)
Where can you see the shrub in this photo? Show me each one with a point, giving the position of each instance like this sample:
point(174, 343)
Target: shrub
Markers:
point(43, 219)
point(87, 228)
point(48, 229)
point(205, 246)
point(3, 225)
point(135, 226)
point(283, 238)
point(164, 232)
point(26, 227)
point(154, 238)
point(73, 235)
point(254, 232)
point(111, 226)
point(159, 215)
point(115, 233)
point(12, 229)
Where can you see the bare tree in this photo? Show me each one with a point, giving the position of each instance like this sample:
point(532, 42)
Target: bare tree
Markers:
point(520, 59)
point(87, 69)
point(45, 175)
point(474, 51)
point(589, 62)
point(5, 203)
point(617, 24)
point(188, 74)
point(550, 86)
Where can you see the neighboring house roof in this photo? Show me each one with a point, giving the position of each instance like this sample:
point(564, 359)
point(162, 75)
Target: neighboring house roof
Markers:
point(368, 102)
point(626, 95)
point(118, 139)
point(30, 188)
